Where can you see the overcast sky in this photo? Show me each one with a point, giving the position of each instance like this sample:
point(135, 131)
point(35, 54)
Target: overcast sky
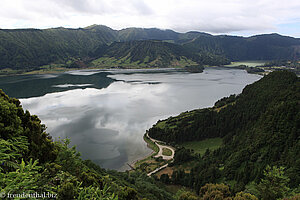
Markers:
point(238, 17)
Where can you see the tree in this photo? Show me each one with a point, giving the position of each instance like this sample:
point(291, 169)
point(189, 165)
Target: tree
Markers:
point(183, 194)
point(244, 196)
point(188, 196)
point(165, 178)
point(25, 178)
point(274, 184)
point(295, 197)
point(215, 192)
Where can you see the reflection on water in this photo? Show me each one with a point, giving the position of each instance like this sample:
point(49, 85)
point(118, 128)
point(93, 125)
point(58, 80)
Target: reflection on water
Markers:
point(26, 86)
point(106, 114)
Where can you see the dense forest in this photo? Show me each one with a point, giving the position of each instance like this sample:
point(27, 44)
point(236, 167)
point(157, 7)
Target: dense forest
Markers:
point(259, 128)
point(27, 49)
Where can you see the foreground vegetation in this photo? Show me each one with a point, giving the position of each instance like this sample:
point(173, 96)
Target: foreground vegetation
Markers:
point(31, 162)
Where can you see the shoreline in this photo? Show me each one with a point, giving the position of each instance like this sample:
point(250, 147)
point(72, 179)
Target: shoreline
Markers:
point(133, 163)
point(143, 158)
point(59, 70)
point(154, 155)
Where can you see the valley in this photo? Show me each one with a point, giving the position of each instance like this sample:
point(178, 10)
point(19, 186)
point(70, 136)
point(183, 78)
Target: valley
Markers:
point(149, 114)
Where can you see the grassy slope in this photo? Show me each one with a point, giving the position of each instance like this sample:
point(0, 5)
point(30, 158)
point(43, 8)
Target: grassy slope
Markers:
point(201, 146)
point(143, 54)
point(125, 62)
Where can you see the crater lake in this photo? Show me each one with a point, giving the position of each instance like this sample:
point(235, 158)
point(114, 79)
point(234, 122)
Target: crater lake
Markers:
point(106, 113)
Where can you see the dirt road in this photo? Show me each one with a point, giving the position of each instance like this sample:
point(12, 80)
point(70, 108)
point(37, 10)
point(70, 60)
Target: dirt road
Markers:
point(159, 154)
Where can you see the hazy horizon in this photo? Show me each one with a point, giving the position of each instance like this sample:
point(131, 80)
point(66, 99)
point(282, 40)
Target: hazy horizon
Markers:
point(147, 28)
point(232, 17)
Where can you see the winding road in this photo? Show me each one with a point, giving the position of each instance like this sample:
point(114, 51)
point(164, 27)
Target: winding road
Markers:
point(159, 154)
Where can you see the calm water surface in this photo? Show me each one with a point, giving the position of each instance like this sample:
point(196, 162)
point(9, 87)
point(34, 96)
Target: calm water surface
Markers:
point(106, 113)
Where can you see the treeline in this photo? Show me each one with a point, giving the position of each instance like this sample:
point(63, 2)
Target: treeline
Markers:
point(259, 127)
point(292, 65)
point(30, 162)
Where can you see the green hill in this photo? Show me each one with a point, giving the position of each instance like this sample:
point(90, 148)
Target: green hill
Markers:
point(28, 48)
point(147, 53)
point(259, 127)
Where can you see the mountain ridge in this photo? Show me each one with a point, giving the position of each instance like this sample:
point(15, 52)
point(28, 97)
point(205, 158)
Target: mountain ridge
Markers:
point(96, 26)
point(27, 49)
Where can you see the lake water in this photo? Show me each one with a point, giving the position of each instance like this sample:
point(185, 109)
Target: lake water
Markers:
point(106, 113)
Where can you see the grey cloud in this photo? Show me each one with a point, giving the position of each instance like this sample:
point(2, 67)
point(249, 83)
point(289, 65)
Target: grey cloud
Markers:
point(99, 7)
point(216, 16)
point(78, 5)
point(142, 7)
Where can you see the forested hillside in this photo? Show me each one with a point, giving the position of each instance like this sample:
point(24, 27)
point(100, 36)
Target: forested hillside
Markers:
point(259, 47)
point(31, 48)
point(131, 34)
point(147, 53)
point(259, 127)
point(28, 48)
point(151, 53)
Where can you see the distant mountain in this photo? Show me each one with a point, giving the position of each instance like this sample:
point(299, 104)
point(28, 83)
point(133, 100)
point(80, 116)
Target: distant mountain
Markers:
point(260, 47)
point(26, 48)
point(29, 48)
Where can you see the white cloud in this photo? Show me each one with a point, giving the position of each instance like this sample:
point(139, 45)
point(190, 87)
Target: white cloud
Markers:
point(215, 16)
